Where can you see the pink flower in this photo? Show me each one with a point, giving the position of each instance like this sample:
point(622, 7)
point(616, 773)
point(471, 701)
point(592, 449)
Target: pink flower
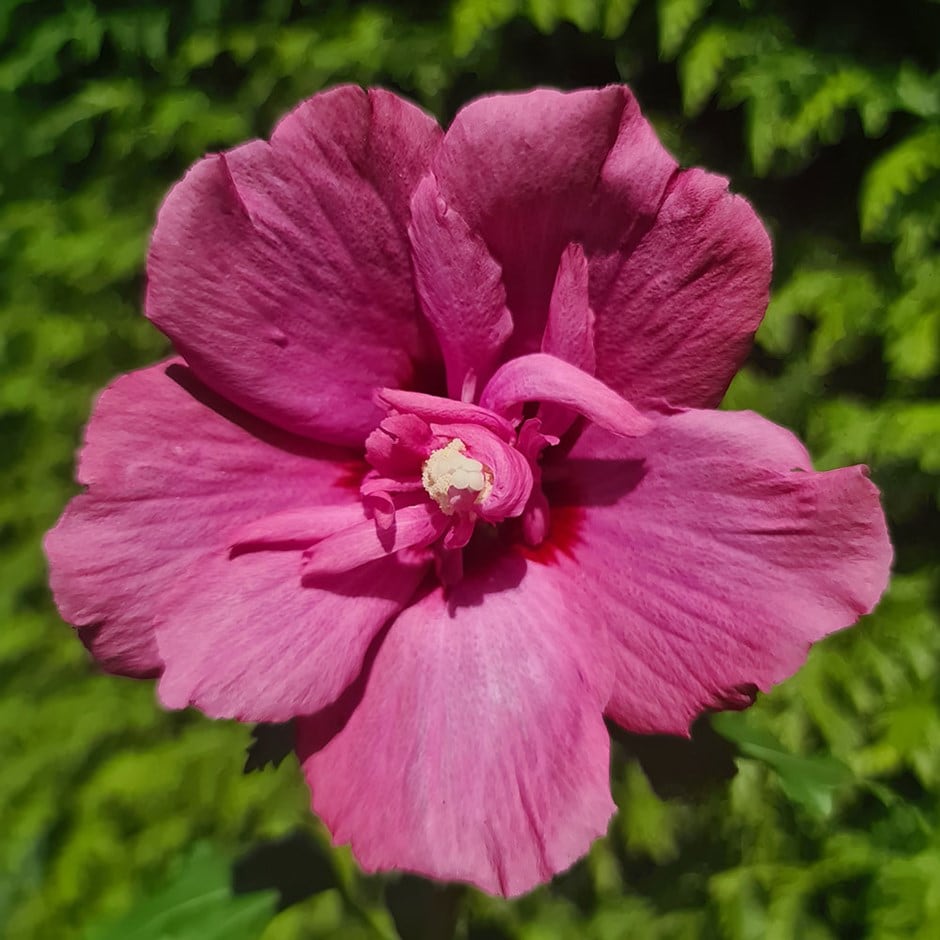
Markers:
point(436, 471)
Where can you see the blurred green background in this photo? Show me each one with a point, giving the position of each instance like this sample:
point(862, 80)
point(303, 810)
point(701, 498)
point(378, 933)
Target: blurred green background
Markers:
point(119, 821)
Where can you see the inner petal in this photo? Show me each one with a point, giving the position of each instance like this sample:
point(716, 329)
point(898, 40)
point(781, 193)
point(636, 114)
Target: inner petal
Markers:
point(544, 378)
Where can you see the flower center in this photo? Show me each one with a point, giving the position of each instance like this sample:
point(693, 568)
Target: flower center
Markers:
point(441, 467)
point(453, 480)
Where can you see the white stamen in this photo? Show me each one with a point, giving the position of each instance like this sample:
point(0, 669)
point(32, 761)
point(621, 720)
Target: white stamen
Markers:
point(454, 480)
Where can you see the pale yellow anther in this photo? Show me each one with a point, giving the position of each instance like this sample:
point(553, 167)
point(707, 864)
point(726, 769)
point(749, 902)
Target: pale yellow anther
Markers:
point(454, 480)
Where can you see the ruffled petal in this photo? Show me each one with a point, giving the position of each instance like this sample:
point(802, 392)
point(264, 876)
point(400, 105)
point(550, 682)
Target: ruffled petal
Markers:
point(718, 558)
point(176, 478)
point(534, 172)
point(461, 291)
point(473, 748)
point(282, 270)
point(677, 313)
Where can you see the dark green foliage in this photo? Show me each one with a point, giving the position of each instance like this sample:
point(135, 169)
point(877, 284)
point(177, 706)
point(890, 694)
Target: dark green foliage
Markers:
point(826, 114)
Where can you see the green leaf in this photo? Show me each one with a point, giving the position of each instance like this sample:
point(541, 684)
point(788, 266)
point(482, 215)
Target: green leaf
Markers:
point(917, 92)
point(197, 904)
point(821, 114)
point(707, 59)
point(896, 174)
point(844, 302)
point(617, 16)
point(676, 18)
point(271, 744)
point(648, 824)
point(913, 348)
point(811, 782)
point(471, 19)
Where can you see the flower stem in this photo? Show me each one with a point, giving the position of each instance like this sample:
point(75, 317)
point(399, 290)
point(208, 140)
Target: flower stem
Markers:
point(444, 912)
point(424, 909)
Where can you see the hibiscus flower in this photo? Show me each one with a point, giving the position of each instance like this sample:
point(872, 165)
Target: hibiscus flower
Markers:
point(436, 471)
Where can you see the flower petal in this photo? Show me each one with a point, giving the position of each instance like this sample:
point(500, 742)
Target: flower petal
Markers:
point(718, 557)
point(170, 470)
point(533, 172)
point(461, 291)
point(399, 445)
point(253, 644)
point(436, 410)
point(473, 749)
point(350, 548)
point(676, 315)
point(569, 331)
point(543, 378)
point(175, 476)
point(282, 270)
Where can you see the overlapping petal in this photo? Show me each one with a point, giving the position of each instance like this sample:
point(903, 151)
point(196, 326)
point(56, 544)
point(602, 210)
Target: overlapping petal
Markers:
point(679, 268)
point(676, 314)
point(569, 328)
point(461, 290)
point(358, 545)
point(475, 739)
point(545, 378)
point(257, 644)
point(718, 557)
point(174, 475)
point(532, 173)
point(282, 270)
